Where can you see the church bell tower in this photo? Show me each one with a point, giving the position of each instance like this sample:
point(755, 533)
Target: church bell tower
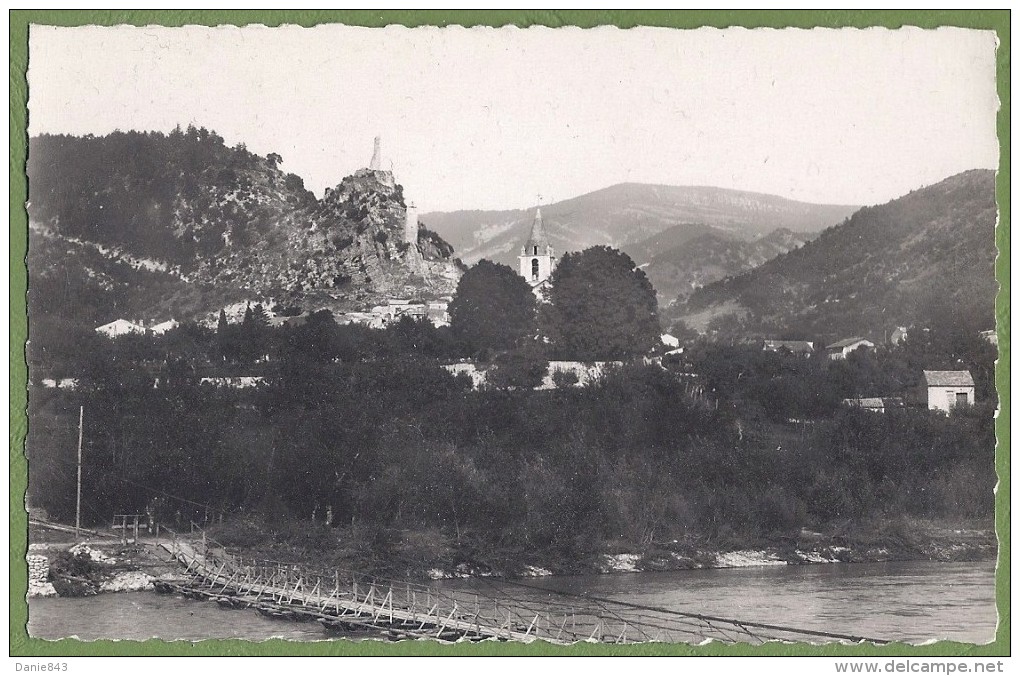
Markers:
point(537, 260)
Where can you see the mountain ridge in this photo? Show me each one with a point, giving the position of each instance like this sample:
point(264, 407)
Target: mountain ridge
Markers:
point(930, 252)
point(624, 214)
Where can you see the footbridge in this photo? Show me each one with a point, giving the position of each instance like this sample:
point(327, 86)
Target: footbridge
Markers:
point(346, 603)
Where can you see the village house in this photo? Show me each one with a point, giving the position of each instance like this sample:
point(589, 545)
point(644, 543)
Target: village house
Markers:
point(842, 348)
point(801, 347)
point(381, 316)
point(670, 341)
point(120, 327)
point(163, 327)
point(438, 313)
point(949, 389)
point(369, 319)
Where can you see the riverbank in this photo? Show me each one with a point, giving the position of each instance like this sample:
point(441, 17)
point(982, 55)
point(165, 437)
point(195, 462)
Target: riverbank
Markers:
point(108, 566)
point(928, 543)
point(434, 555)
point(880, 543)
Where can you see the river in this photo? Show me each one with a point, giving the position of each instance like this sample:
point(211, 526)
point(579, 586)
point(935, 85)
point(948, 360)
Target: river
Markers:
point(904, 601)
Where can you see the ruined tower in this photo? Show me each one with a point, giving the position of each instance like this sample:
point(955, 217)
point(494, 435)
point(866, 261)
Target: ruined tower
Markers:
point(411, 225)
point(376, 163)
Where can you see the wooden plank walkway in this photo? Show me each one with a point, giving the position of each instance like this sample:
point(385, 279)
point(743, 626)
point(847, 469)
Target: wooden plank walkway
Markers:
point(345, 602)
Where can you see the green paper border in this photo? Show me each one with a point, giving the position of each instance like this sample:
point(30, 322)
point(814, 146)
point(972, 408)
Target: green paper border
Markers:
point(22, 645)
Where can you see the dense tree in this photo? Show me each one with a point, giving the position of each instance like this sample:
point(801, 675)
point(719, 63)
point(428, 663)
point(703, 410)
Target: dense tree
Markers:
point(601, 307)
point(254, 334)
point(223, 337)
point(493, 309)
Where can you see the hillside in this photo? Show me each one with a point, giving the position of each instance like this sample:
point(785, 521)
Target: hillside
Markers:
point(627, 214)
point(188, 208)
point(925, 257)
point(678, 271)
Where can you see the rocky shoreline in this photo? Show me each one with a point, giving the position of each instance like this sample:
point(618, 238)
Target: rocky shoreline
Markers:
point(98, 567)
point(92, 568)
point(945, 545)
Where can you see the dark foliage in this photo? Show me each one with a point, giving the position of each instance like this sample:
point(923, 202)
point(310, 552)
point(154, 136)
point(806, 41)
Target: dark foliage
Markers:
point(356, 424)
point(601, 307)
point(493, 310)
point(524, 367)
point(156, 194)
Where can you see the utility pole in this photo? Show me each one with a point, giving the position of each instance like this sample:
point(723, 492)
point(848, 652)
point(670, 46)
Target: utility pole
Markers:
point(77, 511)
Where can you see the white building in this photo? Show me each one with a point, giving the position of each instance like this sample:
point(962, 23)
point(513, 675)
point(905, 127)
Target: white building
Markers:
point(841, 349)
point(949, 389)
point(119, 327)
point(163, 327)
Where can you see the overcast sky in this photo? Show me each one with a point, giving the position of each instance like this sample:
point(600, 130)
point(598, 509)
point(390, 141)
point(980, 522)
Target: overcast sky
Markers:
point(490, 118)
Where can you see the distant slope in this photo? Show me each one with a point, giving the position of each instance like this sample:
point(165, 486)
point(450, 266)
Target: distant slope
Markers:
point(931, 251)
point(626, 214)
point(674, 239)
point(714, 255)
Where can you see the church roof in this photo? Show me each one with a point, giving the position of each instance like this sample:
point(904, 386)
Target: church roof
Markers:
point(537, 237)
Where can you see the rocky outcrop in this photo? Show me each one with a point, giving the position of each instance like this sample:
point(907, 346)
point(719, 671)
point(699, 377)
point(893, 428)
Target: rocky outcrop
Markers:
point(346, 249)
point(231, 224)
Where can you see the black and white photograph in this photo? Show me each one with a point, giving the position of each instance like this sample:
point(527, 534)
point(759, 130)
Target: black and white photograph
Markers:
point(466, 334)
